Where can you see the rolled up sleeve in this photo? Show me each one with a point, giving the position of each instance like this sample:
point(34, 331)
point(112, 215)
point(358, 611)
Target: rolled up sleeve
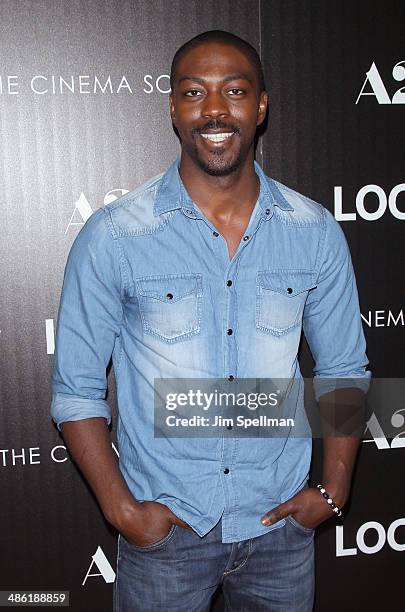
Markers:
point(88, 324)
point(332, 320)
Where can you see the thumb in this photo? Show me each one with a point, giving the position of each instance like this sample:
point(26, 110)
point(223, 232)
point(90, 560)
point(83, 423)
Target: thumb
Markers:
point(277, 513)
point(181, 523)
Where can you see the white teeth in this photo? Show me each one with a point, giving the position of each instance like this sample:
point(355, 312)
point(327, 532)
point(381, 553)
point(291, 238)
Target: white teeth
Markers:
point(217, 137)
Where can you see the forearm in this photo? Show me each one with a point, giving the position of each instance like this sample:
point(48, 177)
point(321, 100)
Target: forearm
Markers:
point(89, 443)
point(338, 462)
point(342, 412)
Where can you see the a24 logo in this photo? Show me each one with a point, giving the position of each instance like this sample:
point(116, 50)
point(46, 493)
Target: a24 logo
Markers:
point(378, 435)
point(378, 90)
point(82, 209)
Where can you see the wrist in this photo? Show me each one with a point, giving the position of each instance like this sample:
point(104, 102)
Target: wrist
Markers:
point(339, 498)
point(123, 510)
point(334, 503)
point(338, 491)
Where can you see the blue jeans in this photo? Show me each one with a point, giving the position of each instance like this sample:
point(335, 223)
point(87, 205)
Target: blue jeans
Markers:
point(181, 572)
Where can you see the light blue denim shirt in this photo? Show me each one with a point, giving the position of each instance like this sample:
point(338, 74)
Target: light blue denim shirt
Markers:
point(292, 271)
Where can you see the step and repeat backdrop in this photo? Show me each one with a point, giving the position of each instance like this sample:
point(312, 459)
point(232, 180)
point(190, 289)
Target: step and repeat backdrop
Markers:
point(83, 119)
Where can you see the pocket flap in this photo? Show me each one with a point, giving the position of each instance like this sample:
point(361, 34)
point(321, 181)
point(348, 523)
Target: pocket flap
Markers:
point(169, 287)
point(287, 282)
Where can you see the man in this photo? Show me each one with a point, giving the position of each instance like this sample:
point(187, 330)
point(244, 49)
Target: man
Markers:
point(210, 270)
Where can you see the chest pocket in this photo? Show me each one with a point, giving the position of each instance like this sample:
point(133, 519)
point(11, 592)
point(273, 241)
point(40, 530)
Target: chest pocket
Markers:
point(170, 305)
point(280, 299)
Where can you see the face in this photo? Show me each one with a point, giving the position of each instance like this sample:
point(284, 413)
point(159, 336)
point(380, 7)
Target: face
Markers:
point(216, 107)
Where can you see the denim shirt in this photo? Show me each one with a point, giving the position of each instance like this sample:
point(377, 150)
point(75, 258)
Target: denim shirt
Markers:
point(291, 272)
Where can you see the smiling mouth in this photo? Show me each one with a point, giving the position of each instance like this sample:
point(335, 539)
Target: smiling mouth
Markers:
point(217, 137)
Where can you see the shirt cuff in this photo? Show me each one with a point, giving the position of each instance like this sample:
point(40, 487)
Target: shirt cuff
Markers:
point(325, 384)
point(66, 407)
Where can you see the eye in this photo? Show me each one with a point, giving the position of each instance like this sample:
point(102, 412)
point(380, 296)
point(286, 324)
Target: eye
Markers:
point(236, 91)
point(191, 93)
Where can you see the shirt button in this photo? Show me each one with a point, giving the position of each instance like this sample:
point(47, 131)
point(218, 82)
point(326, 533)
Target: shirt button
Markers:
point(229, 332)
point(231, 377)
point(245, 238)
point(226, 471)
point(229, 283)
point(289, 290)
point(169, 296)
point(190, 212)
point(215, 234)
point(267, 211)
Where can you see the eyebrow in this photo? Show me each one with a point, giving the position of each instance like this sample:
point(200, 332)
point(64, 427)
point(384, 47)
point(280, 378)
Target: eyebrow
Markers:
point(230, 77)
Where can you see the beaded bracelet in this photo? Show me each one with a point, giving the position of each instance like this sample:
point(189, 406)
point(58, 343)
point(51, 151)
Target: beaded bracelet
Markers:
point(329, 500)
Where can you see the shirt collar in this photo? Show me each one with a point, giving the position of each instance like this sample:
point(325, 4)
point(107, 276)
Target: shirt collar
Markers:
point(172, 194)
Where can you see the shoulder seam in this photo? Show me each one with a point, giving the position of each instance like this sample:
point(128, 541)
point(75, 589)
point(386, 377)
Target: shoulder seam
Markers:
point(302, 196)
point(122, 262)
point(322, 246)
point(135, 193)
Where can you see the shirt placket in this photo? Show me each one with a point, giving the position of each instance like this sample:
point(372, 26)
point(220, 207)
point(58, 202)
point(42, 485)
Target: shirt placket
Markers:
point(229, 445)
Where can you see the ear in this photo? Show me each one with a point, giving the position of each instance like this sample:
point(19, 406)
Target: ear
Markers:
point(263, 100)
point(171, 108)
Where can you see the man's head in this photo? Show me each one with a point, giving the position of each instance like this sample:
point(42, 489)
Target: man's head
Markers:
point(218, 99)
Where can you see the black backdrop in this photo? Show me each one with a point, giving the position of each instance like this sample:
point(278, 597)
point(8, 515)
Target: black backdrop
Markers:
point(68, 146)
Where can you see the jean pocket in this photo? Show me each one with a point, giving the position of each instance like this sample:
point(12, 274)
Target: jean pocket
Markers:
point(280, 299)
point(170, 305)
point(155, 545)
point(298, 525)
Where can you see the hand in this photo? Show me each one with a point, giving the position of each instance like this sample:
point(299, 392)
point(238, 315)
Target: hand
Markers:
point(308, 507)
point(148, 522)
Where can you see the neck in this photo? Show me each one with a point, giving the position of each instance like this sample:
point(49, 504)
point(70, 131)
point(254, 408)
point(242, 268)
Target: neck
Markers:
point(221, 196)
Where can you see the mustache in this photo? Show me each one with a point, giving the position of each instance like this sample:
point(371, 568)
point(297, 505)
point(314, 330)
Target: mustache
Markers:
point(215, 125)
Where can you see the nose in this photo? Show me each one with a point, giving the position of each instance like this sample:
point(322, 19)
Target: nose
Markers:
point(214, 105)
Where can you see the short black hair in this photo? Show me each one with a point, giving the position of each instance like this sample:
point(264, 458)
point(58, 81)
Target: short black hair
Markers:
point(226, 38)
